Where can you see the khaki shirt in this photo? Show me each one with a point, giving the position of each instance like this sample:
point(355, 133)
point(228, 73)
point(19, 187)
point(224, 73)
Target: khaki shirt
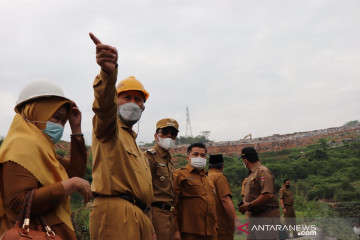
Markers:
point(119, 166)
point(225, 222)
point(259, 181)
point(286, 196)
point(162, 174)
point(195, 206)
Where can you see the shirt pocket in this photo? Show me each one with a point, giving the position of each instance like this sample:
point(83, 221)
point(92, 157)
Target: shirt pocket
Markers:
point(135, 161)
point(162, 174)
point(193, 188)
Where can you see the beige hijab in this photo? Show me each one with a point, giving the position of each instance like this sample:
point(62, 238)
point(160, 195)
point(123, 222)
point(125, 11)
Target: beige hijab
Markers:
point(29, 147)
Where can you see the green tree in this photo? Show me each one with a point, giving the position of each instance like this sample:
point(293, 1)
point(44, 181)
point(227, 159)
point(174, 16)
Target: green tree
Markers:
point(351, 123)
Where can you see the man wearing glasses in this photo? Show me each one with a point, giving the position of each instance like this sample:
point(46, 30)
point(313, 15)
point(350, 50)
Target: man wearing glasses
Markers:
point(195, 205)
point(161, 213)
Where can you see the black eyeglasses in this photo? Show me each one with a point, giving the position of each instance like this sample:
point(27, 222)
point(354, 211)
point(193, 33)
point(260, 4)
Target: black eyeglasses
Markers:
point(173, 132)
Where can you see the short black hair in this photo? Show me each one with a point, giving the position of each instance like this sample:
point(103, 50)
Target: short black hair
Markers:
point(198, 145)
point(286, 179)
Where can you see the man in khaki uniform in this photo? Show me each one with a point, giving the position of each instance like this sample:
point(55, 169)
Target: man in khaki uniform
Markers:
point(287, 202)
point(161, 213)
point(225, 211)
point(261, 200)
point(121, 176)
point(195, 205)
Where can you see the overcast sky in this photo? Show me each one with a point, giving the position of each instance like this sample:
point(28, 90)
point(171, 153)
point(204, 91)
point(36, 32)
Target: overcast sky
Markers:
point(241, 66)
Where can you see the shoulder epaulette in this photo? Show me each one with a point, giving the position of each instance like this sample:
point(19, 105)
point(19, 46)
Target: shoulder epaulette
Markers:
point(151, 150)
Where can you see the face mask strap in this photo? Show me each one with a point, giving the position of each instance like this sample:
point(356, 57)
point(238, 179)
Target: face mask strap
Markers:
point(32, 121)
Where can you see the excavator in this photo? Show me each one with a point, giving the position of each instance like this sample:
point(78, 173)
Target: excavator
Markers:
point(248, 136)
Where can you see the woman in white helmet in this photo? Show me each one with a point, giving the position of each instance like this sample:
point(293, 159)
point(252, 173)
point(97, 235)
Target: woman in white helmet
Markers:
point(28, 159)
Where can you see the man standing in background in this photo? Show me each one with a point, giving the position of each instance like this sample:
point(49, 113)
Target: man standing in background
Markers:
point(225, 211)
point(260, 197)
point(161, 166)
point(286, 203)
point(195, 205)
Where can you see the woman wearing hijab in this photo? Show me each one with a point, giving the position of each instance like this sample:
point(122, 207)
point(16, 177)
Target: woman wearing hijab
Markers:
point(28, 159)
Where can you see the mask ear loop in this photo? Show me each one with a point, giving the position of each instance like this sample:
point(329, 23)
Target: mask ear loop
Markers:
point(22, 115)
point(138, 127)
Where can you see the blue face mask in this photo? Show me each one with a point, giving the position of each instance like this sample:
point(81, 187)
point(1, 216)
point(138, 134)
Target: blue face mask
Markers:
point(54, 130)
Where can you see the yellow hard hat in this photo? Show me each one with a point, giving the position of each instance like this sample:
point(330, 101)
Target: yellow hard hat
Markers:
point(131, 84)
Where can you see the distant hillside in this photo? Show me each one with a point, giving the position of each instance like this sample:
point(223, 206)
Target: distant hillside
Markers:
point(278, 142)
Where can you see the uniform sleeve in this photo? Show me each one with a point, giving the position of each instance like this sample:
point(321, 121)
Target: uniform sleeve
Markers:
point(177, 189)
point(18, 182)
point(150, 160)
point(105, 105)
point(266, 182)
point(76, 167)
point(281, 193)
point(222, 186)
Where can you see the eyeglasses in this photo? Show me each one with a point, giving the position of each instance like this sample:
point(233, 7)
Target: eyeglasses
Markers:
point(169, 130)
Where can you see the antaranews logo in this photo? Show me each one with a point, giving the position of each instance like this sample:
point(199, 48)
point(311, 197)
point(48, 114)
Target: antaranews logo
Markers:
point(304, 230)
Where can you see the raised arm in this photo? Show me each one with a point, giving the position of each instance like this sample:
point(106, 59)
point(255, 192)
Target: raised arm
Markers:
point(105, 103)
point(77, 165)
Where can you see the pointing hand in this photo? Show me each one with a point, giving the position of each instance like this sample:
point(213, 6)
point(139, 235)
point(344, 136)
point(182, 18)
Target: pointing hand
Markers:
point(106, 55)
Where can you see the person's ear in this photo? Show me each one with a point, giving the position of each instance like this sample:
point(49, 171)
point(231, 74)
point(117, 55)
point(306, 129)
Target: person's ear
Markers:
point(188, 158)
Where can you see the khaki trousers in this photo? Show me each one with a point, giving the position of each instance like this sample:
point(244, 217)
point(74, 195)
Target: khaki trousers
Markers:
point(189, 236)
point(113, 218)
point(163, 222)
point(264, 219)
point(290, 218)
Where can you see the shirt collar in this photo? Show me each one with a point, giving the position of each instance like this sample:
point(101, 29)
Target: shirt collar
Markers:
point(127, 128)
point(163, 152)
point(192, 169)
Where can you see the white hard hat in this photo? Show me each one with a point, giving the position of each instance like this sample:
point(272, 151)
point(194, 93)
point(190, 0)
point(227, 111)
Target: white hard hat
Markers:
point(39, 88)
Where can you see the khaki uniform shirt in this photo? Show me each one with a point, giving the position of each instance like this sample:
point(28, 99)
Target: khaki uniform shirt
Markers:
point(225, 222)
point(286, 196)
point(119, 166)
point(162, 174)
point(259, 181)
point(195, 206)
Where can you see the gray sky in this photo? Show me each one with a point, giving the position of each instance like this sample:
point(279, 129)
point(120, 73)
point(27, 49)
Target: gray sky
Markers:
point(241, 66)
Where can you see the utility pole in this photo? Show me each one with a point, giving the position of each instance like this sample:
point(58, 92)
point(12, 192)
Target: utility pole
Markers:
point(188, 125)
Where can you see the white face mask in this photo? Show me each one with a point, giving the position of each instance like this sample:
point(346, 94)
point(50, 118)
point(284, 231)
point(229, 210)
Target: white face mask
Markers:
point(166, 143)
point(130, 112)
point(198, 162)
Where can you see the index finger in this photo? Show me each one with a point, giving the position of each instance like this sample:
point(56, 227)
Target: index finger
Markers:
point(95, 39)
